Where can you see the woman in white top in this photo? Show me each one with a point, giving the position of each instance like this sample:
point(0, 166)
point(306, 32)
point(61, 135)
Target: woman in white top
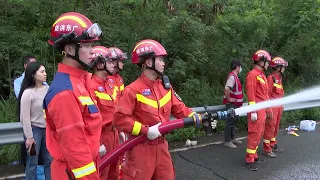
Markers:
point(31, 115)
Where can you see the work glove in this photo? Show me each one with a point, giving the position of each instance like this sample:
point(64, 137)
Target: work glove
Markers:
point(153, 132)
point(214, 124)
point(254, 116)
point(102, 150)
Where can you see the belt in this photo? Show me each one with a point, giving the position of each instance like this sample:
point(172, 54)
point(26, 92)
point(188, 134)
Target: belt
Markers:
point(159, 140)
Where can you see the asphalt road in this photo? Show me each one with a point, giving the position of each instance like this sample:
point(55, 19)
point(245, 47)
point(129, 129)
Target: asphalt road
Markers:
point(300, 160)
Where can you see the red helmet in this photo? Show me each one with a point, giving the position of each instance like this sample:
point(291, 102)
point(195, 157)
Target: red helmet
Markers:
point(278, 61)
point(145, 48)
point(73, 27)
point(100, 50)
point(117, 54)
point(260, 55)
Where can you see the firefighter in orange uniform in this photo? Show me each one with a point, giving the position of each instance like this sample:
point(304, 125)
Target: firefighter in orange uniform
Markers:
point(276, 90)
point(73, 120)
point(144, 105)
point(101, 91)
point(117, 57)
point(257, 91)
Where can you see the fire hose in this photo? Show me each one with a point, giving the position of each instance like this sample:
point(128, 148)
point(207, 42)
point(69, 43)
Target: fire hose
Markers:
point(165, 128)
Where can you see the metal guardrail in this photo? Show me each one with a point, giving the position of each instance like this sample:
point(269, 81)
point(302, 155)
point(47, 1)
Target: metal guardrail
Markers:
point(12, 133)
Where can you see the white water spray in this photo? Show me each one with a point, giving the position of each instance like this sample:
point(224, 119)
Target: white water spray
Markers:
point(306, 98)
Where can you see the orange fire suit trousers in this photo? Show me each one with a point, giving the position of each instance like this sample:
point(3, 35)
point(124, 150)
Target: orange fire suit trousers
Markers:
point(149, 160)
point(270, 127)
point(110, 139)
point(255, 132)
point(277, 114)
point(61, 171)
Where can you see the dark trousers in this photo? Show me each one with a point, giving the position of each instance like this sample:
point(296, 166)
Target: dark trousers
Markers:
point(229, 130)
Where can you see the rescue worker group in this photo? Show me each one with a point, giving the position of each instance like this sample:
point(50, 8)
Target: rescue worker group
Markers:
point(90, 114)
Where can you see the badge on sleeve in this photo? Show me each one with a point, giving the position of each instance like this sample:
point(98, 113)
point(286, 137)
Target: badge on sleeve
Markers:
point(100, 89)
point(177, 96)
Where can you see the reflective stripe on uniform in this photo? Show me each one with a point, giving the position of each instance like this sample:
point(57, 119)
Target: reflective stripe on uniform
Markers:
point(86, 100)
point(252, 102)
point(266, 141)
point(251, 151)
point(122, 87)
point(104, 96)
point(273, 139)
point(261, 80)
point(163, 101)
point(277, 85)
point(44, 114)
point(191, 114)
point(84, 170)
point(136, 128)
point(114, 94)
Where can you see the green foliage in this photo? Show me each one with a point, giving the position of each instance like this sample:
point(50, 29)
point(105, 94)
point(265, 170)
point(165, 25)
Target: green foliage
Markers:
point(184, 134)
point(201, 38)
point(8, 110)
point(9, 153)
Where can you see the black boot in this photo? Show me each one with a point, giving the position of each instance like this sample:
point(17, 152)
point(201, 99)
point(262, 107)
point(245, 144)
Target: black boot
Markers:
point(259, 161)
point(276, 148)
point(252, 166)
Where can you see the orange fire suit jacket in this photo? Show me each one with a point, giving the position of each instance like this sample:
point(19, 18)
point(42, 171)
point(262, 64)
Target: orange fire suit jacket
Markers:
point(145, 103)
point(118, 84)
point(73, 123)
point(101, 92)
point(275, 86)
point(257, 87)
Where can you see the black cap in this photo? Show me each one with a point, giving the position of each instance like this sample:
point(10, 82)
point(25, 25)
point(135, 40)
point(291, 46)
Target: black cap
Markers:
point(236, 62)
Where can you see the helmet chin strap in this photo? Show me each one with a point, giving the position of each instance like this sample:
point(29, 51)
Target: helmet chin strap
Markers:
point(76, 58)
point(153, 67)
point(105, 69)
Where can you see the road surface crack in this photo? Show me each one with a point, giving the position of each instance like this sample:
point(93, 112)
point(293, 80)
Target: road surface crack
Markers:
point(200, 165)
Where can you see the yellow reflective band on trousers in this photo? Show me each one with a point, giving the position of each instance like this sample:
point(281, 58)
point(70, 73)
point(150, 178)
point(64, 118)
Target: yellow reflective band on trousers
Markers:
point(163, 101)
point(261, 80)
point(84, 170)
point(251, 151)
point(266, 141)
point(104, 96)
point(273, 139)
point(136, 128)
point(86, 100)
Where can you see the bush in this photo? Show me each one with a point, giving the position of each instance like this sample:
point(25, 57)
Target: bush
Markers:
point(8, 153)
point(184, 134)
